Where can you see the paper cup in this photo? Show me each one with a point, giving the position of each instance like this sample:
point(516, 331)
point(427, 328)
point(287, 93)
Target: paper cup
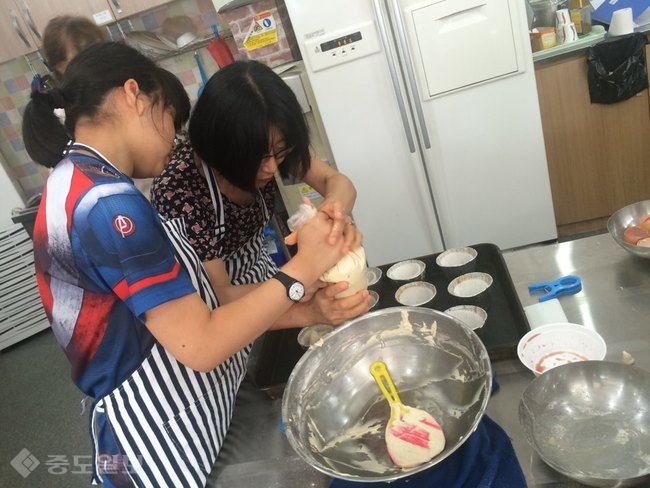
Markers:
point(406, 270)
point(622, 22)
point(567, 33)
point(415, 294)
point(309, 336)
point(374, 275)
point(472, 288)
point(372, 299)
point(457, 261)
point(472, 316)
point(562, 16)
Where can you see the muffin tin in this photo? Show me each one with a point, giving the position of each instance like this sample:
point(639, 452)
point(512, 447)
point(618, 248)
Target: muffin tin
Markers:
point(506, 321)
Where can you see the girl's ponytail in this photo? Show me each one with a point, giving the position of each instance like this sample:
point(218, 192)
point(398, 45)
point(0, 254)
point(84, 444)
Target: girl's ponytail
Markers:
point(44, 133)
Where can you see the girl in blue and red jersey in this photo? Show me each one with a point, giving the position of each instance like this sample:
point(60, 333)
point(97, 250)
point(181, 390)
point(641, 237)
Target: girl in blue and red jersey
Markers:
point(125, 292)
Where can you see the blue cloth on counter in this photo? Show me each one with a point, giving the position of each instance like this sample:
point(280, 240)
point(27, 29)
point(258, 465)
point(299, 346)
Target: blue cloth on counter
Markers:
point(486, 460)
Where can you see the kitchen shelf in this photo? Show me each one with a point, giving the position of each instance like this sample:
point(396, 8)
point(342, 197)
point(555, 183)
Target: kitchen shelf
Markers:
point(597, 34)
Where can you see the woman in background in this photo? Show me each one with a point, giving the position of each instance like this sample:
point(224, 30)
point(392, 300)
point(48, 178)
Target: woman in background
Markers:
point(124, 292)
point(246, 125)
point(65, 36)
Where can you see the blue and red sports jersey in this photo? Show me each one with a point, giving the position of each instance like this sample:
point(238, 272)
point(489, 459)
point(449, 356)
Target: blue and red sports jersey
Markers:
point(102, 260)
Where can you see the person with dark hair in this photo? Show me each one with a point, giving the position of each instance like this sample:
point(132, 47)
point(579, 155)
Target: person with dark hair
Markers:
point(124, 292)
point(246, 125)
point(64, 36)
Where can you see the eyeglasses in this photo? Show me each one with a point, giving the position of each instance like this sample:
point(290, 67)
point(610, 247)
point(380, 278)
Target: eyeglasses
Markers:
point(278, 156)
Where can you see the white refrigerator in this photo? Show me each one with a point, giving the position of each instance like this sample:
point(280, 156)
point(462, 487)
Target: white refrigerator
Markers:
point(431, 109)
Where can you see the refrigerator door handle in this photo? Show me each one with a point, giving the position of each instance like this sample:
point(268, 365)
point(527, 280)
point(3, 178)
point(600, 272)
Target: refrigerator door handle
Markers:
point(410, 72)
point(383, 32)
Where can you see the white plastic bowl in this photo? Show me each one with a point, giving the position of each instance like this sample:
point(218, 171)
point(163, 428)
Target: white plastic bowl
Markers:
point(552, 345)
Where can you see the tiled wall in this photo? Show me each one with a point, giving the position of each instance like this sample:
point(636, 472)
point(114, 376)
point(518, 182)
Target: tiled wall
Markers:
point(242, 19)
point(16, 76)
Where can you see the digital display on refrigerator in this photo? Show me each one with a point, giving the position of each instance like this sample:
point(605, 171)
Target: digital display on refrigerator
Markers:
point(340, 41)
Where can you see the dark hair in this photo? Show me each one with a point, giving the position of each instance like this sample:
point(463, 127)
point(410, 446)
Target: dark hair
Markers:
point(67, 31)
point(89, 77)
point(229, 126)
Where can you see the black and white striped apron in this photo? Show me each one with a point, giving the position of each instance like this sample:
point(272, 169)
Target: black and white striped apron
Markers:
point(169, 420)
point(251, 263)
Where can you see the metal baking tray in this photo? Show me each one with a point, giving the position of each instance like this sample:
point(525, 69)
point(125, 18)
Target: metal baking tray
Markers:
point(506, 321)
point(278, 351)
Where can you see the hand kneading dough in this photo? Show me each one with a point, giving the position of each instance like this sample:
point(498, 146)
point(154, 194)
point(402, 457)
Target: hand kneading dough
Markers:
point(414, 437)
point(351, 268)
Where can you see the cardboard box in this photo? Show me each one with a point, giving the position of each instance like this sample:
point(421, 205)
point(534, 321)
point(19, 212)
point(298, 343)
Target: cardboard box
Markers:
point(542, 38)
point(262, 31)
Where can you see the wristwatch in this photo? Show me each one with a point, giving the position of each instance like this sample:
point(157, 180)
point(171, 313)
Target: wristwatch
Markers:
point(295, 289)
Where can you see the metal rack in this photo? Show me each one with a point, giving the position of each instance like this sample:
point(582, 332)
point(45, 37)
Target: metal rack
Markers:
point(21, 310)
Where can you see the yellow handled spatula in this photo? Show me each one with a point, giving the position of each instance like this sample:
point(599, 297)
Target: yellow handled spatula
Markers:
point(413, 436)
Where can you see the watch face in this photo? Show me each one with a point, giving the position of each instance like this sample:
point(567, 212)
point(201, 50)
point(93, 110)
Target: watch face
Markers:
point(296, 291)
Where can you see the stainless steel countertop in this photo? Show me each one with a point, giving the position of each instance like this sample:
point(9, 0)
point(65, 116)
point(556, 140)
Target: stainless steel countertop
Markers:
point(615, 301)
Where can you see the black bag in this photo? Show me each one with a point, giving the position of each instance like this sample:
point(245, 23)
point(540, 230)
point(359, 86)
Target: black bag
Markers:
point(617, 68)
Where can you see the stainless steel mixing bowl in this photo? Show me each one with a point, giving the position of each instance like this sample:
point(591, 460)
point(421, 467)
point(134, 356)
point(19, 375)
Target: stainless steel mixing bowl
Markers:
point(622, 219)
point(334, 414)
point(591, 422)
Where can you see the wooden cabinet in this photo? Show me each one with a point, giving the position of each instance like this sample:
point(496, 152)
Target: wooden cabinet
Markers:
point(22, 21)
point(120, 9)
point(16, 35)
point(37, 13)
point(598, 155)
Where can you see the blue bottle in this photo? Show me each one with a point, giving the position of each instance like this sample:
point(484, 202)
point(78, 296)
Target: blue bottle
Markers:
point(274, 246)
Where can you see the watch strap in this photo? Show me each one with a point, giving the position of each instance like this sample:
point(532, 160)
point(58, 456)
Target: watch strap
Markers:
point(288, 283)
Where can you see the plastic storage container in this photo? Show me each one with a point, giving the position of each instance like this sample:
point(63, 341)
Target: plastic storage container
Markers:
point(544, 12)
point(580, 11)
